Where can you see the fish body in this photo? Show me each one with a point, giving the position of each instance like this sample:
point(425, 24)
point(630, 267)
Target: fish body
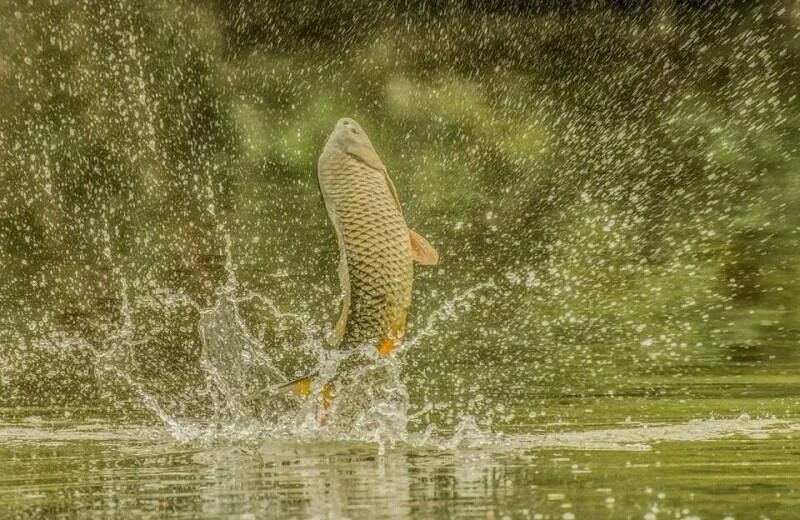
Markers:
point(375, 265)
point(376, 247)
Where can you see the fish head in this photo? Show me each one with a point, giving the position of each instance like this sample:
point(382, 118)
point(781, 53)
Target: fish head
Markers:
point(347, 135)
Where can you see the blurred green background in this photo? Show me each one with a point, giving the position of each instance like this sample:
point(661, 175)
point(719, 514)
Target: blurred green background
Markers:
point(614, 189)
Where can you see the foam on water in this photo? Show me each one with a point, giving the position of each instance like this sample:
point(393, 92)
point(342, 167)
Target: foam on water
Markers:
point(467, 436)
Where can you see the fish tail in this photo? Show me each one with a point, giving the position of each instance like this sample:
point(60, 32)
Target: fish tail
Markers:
point(300, 386)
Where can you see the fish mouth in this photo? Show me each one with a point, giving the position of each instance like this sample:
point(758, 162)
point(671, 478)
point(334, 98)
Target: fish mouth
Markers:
point(350, 124)
point(341, 122)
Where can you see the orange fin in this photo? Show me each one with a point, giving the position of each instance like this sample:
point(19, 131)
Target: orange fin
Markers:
point(327, 394)
point(422, 251)
point(328, 391)
point(386, 346)
point(301, 386)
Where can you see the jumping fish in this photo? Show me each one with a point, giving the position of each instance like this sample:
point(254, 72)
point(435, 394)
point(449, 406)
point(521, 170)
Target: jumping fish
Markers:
point(376, 246)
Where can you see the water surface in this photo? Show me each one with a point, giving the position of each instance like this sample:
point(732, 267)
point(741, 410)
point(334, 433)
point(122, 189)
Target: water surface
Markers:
point(612, 331)
point(740, 468)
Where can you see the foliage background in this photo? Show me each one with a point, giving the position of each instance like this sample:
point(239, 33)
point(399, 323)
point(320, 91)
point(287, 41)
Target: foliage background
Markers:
point(623, 174)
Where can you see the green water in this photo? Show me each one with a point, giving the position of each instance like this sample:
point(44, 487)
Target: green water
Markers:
point(58, 468)
point(612, 331)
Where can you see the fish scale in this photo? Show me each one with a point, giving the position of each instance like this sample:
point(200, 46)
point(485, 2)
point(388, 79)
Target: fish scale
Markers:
point(376, 247)
point(376, 251)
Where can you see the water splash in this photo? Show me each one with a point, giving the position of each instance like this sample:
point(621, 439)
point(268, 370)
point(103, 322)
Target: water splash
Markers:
point(237, 369)
point(449, 310)
point(243, 373)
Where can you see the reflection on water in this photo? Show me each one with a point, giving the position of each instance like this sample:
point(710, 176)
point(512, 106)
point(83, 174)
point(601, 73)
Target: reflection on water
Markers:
point(693, 470)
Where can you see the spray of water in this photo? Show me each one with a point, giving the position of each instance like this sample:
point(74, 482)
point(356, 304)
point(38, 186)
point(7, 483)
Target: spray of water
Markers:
point(243, 379)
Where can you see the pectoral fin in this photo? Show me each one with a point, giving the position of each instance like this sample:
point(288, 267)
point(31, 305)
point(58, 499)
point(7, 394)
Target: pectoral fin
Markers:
point(422, 251)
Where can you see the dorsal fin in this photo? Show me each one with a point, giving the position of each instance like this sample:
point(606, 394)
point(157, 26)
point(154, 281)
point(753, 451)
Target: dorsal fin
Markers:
point(422, 251)
point(393, 190)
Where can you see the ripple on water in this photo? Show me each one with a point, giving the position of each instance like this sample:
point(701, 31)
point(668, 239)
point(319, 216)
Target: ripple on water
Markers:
point(692, 468)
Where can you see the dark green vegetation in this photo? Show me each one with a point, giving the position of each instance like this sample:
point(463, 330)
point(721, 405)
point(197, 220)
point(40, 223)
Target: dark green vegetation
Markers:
point(627, 180)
